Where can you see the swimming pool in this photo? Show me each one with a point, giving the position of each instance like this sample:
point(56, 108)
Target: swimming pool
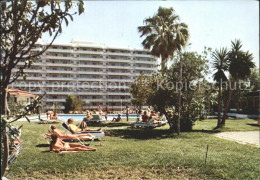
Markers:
point(79, 117)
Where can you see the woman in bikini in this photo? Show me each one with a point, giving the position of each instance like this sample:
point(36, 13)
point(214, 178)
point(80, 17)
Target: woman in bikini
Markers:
point(57, 145)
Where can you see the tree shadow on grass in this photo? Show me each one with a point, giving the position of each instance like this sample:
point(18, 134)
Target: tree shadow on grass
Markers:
point(215, 130)
point(141, 134)
point(251, 124)
point(110, 124)
point(43, 145)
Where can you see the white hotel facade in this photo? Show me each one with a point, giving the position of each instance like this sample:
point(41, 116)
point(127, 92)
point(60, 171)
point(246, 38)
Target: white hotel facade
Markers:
point(97, 74)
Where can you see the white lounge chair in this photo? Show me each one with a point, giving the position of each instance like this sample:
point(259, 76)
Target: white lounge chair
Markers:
point(97, 134)
point(149, 124)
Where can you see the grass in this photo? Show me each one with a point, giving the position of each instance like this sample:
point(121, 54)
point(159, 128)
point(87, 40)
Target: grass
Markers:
point(140, 154)
point(231, 125)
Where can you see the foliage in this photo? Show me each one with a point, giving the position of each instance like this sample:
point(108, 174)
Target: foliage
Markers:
point(141, 90)
point(220, 65)
point(240, 65)
point(161, 90)
point(73, 103)
point(165, 34)
point(254, 79)
point(23, 23)
point(14, 106)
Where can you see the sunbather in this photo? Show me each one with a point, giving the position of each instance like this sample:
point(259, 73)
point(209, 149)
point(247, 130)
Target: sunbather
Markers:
point(145, 117)
point(59, 134)
point(117, 119)
point(57, 145)
point(76, 129)
point(157, 119)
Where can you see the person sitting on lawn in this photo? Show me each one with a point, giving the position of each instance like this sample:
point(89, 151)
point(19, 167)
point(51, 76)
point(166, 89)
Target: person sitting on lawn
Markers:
point(152, 114)
point(145, 117)
point(89, 116)
point(59, 134)
point(76, 129)
point(117, 119)
point(54, 117)
point(157, 119)
point(57, 145)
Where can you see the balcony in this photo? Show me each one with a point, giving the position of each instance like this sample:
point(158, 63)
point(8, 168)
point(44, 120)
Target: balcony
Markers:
point(145, 68)
point(61, 65)
point(60, 50)
point(59, 71)
point(60, 78)
point(90, 72)
point(118, 67)
point(100, 59)
point(142, 55)
point(118, 53)
point(88, 52)
point(59, 57)
point(118, 60)
point(145, 62)
point(119, 73)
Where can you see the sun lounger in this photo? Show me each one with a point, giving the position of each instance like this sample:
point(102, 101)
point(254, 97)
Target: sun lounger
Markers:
point(149, 124)
point(96, 119)
point(47, 138)
point(97, 134)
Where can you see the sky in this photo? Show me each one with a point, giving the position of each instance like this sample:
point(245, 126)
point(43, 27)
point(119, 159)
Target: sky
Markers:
point(211, 23)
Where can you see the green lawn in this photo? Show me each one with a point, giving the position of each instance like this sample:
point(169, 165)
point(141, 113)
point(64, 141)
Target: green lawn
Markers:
point(231, 125)
point(140, 154)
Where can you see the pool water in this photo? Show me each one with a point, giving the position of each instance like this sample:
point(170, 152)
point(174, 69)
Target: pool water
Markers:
point(79, 117)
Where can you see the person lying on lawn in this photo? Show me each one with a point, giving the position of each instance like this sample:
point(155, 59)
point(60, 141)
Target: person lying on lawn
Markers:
point(57, 145)
point(76, 129)
point(59, 134)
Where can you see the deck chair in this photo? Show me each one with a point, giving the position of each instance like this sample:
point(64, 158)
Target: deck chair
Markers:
point(149, 124)
point(96, 119)
point(15, 150)
point(97, 134)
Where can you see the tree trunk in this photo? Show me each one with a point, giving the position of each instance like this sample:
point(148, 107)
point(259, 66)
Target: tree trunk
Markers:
point(3, 100)
point(226, 108)
point(227, 105)
point(219, 106)
point(179, 103)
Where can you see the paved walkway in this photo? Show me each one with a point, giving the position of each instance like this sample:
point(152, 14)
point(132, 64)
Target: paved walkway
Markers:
point(247, 137)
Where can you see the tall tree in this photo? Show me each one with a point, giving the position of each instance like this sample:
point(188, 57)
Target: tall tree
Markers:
point(165, 34)
point(240, 65)
point(73, 103)
point(23, 23)
point(220, 65)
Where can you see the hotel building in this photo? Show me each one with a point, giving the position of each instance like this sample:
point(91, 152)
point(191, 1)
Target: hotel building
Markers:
point(97, 74)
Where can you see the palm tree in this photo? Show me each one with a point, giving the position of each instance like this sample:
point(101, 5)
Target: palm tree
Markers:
point(165, 35)
point(220, 58)
point(240, 65)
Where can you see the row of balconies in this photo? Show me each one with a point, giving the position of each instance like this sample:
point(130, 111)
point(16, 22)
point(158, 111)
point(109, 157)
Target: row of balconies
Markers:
point(91, 100)
point(72, 51)
point(95, 59)
point(83, 93)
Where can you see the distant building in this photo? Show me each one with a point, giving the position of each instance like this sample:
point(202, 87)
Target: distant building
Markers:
point(21, 97)
point(99, 75)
